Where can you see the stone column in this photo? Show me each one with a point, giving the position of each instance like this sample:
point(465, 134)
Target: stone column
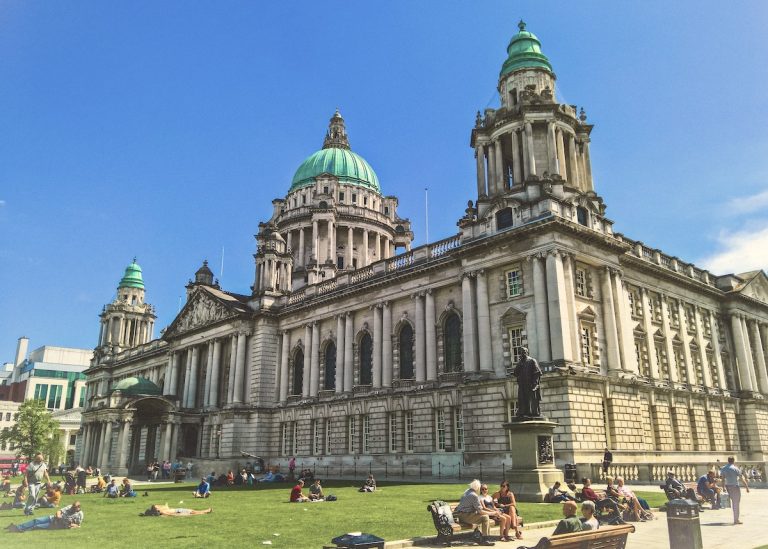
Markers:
point(480, 156)
point(705, 368)
point(609, 321)
point(573, 169)
point(214, 370)
point(350, 247)
point(483, 324)
point(106, 445)
point(541, 309)
point(517, 167)
point(332, 241)
point(232, 368)
point(624, 326)
point(85, 428)
point(314, 363)
point(551, 147)
point(531, 155)
point(653, 364)
point(491, 169)
point(208, 368)
point(421, 371)
point(169, 372)
point(762, 374)
point(561, 168)
point(187, 379)
point(569, 269)
point(559, 330)
point(365, 248)
point(683, 333)
point(588, 184)
point(240, 369)
point(340, 354)
point(431, 337)
point(284, 356)
point(716, 352)
point(500, 176)
point(125, 433)
point(377, 246)
point(307, 360)
point(348, 357)
point(386, 348)
point(174, 440)
point(378, 338)
point(192, 402)
point(750, 354)
point(468, 324)
point(315, 235)
point(301, 248)
point(669, 347)
point(742, 353)
point(167, 440)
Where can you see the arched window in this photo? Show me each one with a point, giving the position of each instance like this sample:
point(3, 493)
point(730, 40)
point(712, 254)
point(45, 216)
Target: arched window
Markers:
point(298, 372)
point(330, 367)
point(452, 343)
point(366, 360)
point(406, 352)
point(581, 215)
point(504, 219)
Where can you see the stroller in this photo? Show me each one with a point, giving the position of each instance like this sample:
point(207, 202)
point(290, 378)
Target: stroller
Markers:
point(70, 484)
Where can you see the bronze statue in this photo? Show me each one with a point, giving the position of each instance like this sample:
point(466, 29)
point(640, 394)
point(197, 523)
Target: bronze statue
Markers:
point(528, 376)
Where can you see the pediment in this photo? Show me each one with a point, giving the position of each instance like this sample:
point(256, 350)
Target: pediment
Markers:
point(588, 312)
point(756, 287)
point(512, 315)
point(201, 310)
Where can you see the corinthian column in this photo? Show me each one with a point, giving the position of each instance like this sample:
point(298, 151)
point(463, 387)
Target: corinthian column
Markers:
point(421, 373)
point(517, 165)
point(648, 328)
point(284, 356)
point(573, 168)
point(480, 156)
point(705, 368)
point(743, 357)
point(307, 360)
point(377, 342)
point(683, 332)
point(431, 338)
point(468, 324)
point(365, 248)
point(386, 349)
point(195, 370)
point(483, 323)
point(314, 363)
point(350, 247)
point(240, 369)
point(609, 321)
point(716, 352)
point(213, 398)
point(559, 328)
point(500, 176)
point(339, 381)
point(624, 325)
point(348, 358)
point(561, 169)
point(540, 306)
point(187, 379)
point(208, 368)
point(531, 156)
point(762, 375)
point(551, 147)
point(491, 170)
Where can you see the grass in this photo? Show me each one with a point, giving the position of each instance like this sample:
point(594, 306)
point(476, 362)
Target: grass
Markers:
point(247, 516)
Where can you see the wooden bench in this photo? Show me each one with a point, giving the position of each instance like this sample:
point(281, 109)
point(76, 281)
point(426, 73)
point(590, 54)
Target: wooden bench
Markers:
point(447, 527)
point(686, 486)
point(606, 537)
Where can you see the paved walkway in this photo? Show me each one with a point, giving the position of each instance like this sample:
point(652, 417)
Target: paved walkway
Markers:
point(717, 529)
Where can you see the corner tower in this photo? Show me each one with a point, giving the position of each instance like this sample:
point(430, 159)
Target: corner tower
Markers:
point(334, 219)
point(128, 321)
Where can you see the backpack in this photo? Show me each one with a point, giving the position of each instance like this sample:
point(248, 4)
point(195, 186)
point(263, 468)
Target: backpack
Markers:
point(330, 497)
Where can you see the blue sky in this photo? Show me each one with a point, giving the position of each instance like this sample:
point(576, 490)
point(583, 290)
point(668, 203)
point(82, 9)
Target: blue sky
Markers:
point(163, 130)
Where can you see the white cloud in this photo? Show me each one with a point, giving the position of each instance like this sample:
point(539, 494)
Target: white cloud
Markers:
point(742, 250)
point(748, 204)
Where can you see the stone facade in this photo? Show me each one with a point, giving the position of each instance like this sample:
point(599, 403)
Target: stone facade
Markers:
point(346, 352)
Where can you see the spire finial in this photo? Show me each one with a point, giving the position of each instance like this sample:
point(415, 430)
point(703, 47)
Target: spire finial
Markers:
point(134, 259)
point(336, 136)
point(521, 25)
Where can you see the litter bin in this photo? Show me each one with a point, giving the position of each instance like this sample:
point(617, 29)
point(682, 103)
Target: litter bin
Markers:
point(683, 524)
point(358, 540)
point(570, 473)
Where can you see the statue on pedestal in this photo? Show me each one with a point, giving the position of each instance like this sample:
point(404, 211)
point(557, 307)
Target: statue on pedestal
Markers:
point(528, 376)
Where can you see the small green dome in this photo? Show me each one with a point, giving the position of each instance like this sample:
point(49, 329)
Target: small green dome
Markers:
point(132, 277)
point(524, 52)
point(349, 167)
point(137, 386)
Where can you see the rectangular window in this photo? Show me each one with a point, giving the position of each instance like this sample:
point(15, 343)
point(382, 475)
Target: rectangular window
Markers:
point(386, 210)
point(294, 437)
point(72, 440)
point(54, 397)
point(366, 434)
point(82, 397)
point(328, 437)
point(284, 438)
point(393, 432)
point(581, 282)
point(408, 420)
point(440, 429)
point(351, 435)
point(41, 391)
point(326, 190)
point(354, 198)
point(672, 315)
point(458, 426)
point(514, 282)
point(317, 437)
point(661, 359)
point(341, 197)
point(586, 344)
point(7, 416)
point(517, 340)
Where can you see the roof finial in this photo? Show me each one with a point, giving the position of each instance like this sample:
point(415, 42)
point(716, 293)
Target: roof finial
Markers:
point(134, 259)
point(521, 25)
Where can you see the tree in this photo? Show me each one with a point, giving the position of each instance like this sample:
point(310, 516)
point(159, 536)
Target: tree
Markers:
point(35, 430)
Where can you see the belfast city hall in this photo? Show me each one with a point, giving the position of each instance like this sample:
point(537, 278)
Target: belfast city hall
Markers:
point(355, 351)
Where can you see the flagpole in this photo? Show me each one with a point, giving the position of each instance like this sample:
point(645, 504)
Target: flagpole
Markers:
point(426, 211)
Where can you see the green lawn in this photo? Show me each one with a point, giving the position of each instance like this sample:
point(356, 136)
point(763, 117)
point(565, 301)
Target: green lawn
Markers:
point(248, 516)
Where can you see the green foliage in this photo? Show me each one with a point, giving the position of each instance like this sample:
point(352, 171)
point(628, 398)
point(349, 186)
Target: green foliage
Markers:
point(35, 430)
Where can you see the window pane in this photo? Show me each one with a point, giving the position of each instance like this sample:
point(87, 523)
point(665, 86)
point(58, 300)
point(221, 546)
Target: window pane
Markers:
point(452, 343)
point(366, 360)
point(406, 352)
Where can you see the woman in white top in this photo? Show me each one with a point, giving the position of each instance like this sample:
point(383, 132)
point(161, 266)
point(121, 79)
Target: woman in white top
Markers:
point(490, 509)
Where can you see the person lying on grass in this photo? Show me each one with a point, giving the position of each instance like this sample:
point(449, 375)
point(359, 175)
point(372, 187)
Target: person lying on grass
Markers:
point(164, 510)
point(70, 516)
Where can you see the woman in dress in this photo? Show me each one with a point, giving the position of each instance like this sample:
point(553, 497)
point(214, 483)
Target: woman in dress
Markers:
point(505, 500)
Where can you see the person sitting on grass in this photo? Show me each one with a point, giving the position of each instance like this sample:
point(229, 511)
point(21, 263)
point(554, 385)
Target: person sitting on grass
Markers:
point(99, 487)
point(570, 523)
point(203, 489)
point(70, 516)
point(589, 522)
point(470, 511)
point(20, 495)
point(316, 491)
point(496, 514)
point(112, 490)
point(6, 486)
point(126, 490)
point(52, 497)
point(556, 495)
point(296, 495)
point(165, 511)
point(369, 486)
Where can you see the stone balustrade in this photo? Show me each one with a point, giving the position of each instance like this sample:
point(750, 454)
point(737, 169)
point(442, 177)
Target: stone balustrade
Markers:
point(668, 262)
point(656, 473)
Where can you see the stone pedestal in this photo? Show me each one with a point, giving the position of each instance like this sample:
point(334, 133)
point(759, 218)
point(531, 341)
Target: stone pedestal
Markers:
point(533, 459)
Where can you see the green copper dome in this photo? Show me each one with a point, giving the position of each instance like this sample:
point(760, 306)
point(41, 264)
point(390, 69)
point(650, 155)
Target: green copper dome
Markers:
point(132, 277)
point(137, 386)
point(524, 52)
point(336, 158)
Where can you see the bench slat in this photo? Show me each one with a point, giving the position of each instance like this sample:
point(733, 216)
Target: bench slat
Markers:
point(608, 537)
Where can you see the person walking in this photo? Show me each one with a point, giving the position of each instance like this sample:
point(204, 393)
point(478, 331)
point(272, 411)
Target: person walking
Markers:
point(731, 476)
point(37, 471)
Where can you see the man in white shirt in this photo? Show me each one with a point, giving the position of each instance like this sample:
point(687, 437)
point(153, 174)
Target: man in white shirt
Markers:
point(37, 472)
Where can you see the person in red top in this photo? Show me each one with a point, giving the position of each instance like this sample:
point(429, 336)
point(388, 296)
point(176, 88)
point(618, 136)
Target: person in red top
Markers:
point(601, 504)
point(296, 495)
